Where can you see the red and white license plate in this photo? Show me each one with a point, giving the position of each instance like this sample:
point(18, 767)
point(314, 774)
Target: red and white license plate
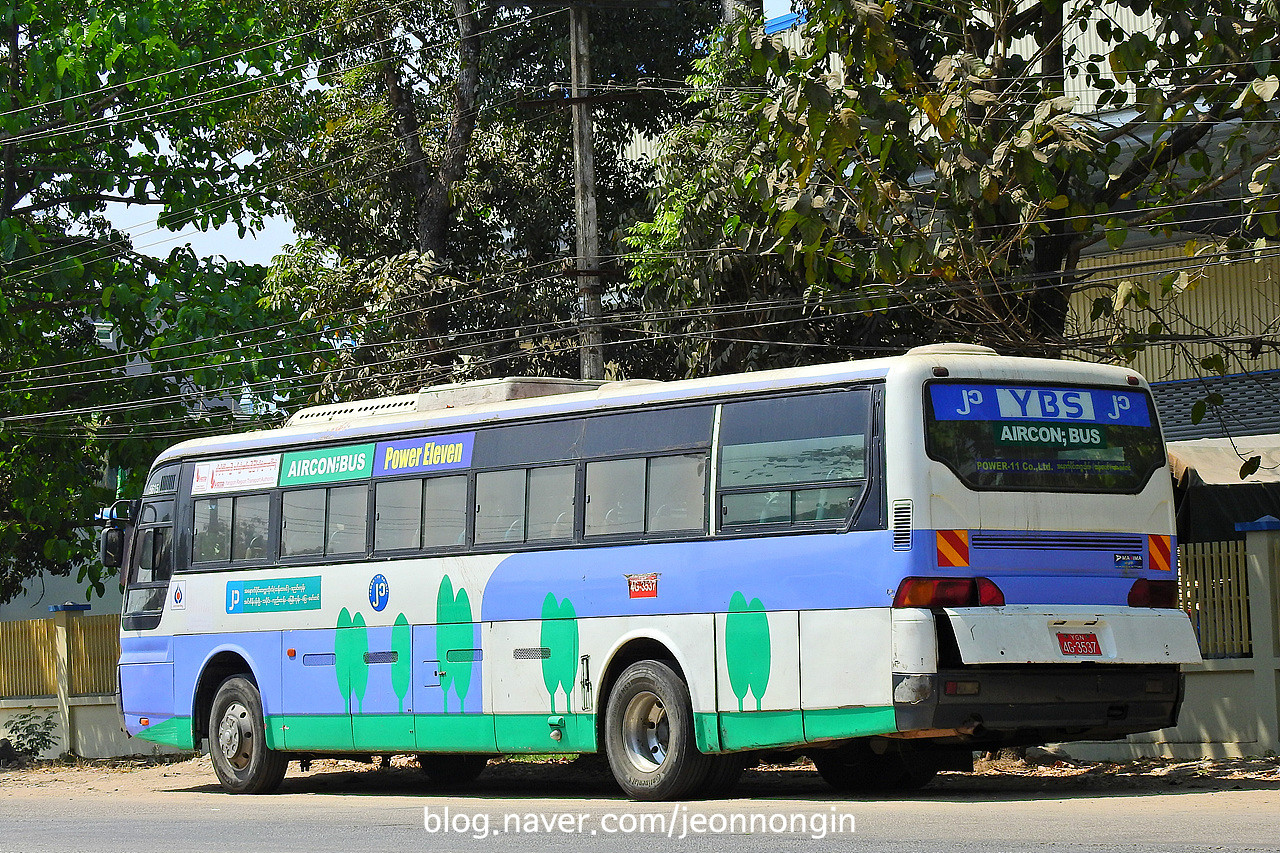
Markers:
point(1079, 644)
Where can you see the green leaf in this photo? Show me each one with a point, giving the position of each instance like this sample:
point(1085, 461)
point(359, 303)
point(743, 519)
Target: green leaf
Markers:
point(1250, 467)
point(1215, 363)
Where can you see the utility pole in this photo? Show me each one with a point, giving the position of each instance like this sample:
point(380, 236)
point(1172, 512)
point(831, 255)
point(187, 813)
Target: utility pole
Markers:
point(590, 310)
point(735, 9)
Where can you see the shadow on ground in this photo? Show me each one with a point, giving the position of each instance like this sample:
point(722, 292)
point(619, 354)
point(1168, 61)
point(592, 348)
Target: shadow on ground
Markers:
point(587, 777)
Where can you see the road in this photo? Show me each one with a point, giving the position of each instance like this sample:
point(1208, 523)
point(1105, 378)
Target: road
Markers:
point(345, 808)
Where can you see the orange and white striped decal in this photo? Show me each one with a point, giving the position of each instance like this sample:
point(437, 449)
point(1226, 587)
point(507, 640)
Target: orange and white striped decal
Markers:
point(1160, 552)
point(953, 548)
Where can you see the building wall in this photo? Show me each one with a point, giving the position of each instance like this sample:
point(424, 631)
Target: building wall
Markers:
point(1232, 705)
point(1235, 299)
point(51, 589)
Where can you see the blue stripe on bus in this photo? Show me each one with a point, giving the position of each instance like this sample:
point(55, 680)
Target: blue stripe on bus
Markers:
point(822, 571)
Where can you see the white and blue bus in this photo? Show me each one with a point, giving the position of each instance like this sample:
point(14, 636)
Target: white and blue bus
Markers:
point(883, 564)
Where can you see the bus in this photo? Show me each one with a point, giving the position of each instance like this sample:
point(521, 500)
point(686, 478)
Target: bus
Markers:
point(884, 565)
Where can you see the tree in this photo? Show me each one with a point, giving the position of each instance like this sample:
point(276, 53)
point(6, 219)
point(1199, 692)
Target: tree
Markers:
point(700, 268)
point(105, 351)
point(435, 165)
point(925, 161)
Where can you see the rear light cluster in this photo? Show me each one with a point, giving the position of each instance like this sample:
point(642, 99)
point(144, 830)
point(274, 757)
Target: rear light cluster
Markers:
point(1145, 593)
point(948, 592)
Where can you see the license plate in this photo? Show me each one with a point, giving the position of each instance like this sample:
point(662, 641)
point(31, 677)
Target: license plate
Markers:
point(1079, 644)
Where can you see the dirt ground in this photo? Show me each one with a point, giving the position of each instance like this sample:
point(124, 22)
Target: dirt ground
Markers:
point(589, 775)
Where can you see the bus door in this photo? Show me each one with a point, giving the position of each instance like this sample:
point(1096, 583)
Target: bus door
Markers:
point(146, 660)
point(447, 689)
point(381, 664)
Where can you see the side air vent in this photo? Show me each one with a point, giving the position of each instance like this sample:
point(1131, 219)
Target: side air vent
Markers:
point(901, 525)
point(1116, 542)
point(332, 412)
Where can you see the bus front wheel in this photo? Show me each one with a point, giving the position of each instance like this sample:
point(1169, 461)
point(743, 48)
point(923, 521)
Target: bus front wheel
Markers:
point(238, 740)
point(649, 736)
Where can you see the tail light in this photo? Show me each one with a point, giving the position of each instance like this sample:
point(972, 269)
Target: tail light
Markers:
point(1145, 593)
point(948, 592)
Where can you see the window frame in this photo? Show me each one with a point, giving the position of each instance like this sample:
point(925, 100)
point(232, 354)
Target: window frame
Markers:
point(324, 558)
point(856, 516)
point(420, 548)
point(273, 536)
point(645, 535)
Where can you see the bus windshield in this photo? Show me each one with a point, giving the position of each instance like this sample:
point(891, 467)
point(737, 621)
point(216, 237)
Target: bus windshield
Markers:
point(1015, 437)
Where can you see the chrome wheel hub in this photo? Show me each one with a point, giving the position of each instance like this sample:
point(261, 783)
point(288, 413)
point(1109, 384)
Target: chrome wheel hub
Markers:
point(235, 736)
point(646, 732)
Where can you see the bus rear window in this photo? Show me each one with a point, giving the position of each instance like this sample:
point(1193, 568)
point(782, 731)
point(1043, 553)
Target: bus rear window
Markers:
point(1015, 437)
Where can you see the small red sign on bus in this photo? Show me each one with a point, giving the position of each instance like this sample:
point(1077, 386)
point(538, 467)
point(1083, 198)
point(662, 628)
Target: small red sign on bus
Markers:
point(643, 586)
point(1080, 644)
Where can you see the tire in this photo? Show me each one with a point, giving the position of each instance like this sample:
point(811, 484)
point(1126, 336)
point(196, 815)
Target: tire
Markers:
point(238, 741)
point(452, 770)
point(649, 736)
point(857, 767)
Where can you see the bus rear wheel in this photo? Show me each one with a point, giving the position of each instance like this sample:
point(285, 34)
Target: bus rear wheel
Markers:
point(238, 741)
point(649, 736)
point(859, 766)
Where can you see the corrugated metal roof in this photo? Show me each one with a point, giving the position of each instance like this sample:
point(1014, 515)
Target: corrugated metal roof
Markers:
point(1251, 405)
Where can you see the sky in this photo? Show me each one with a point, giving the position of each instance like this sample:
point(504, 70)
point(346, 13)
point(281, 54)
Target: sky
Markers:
point(258, 248)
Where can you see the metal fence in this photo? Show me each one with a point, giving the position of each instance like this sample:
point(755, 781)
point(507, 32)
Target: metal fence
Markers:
point(29, 657)
point(1214, 590)
point(94, 646)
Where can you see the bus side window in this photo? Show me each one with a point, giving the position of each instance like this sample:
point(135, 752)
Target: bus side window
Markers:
point(345, 525)
point(397, 514)
point(676, 496)
point(303, 523)
point(212, 536)
point(615, 497)
point(500, 504)
point(550, 500)
point(249, 527)
point(793, 460)
point(444, 512)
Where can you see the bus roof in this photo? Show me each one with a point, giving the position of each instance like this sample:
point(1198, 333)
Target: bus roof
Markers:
point(374, 419)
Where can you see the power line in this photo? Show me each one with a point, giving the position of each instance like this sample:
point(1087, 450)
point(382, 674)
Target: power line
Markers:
point(537, 331)
point(1090, 274)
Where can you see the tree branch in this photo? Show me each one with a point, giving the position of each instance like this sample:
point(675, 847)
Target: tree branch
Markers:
point(67, 199)
point(434, 208)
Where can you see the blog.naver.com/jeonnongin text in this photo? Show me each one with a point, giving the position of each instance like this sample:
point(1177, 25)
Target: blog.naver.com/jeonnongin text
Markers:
point(675, 823)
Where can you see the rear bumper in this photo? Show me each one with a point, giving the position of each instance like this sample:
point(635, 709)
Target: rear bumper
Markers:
point(1027, 704)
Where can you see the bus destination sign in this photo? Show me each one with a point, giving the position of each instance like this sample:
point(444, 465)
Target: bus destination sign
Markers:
point(957, 402)
point(231, 475)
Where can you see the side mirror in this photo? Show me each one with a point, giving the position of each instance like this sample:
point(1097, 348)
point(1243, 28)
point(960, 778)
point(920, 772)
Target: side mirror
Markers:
point(111, 547)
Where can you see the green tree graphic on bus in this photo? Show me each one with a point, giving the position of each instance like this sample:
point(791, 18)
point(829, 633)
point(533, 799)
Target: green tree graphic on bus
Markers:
point(350, 643)
point(747, 649)
point(359, 666)
point(560, 637)
point(453, 631)
point(402, 668)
